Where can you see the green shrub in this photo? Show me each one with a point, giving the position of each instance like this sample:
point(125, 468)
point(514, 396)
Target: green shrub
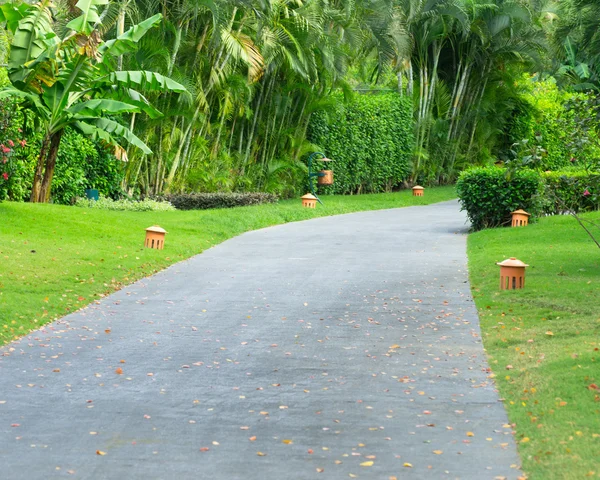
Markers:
point(571, 191)
point(204, 201)
point(145, 205)
point(488, 195)
point(370, 141)
point(563, 123)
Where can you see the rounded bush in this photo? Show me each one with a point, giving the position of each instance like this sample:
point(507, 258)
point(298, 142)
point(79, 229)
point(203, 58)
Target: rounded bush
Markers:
point(490, 194)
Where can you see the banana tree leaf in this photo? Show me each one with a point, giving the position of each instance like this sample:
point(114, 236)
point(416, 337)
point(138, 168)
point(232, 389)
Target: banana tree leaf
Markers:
point(9, 92)
point(97, 106)
point(104, 127)
point(127, 42)
point(137, 99)
point(13, 13)
point(89, 17)
point(32, 38)
point(95, 133)
point(143, 80)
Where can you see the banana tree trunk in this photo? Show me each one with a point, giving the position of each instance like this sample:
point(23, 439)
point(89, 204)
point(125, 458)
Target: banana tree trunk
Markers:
point(40, 192)
point(38, 176)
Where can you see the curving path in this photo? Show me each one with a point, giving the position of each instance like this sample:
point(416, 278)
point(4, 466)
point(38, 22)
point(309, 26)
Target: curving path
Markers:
point(340, 347)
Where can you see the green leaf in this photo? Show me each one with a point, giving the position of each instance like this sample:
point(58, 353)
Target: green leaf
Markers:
point(13, 13)
point(137, 99)
point(127, 42)
point(104, 129)
point(9, 92)
point(97, 106)
point(143, 80)
point(86, 22)
point(33, 36)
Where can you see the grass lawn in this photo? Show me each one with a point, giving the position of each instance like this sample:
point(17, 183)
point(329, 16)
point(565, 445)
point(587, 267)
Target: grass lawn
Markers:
point(543, 342)
point(56, 259)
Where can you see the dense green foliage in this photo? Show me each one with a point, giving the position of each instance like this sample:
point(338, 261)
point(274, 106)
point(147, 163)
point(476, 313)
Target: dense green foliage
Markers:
point(563, 123)
point(489, 195)
point(571, 191)
point(65, 76)
point(81, 163)
point(258, 71)
point(205, 201)
point(370, 141)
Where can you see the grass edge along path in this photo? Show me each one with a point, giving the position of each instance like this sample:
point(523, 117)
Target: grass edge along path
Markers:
point(57, 259)
point(543, 341)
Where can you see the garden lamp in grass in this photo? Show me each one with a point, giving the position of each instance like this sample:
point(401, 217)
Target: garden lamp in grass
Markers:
point(155, 237)
point(324, 177)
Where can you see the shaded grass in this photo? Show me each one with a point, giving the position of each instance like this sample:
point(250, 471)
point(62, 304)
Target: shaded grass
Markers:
point(56, 259)
point(543, 341)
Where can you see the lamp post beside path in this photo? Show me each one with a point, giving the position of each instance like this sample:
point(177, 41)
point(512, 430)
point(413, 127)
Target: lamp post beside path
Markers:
point(324, 177)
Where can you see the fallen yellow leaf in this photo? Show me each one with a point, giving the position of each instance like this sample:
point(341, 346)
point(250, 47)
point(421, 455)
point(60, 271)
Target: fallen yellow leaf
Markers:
point(470, 434)
point(100, 452)
point(438, 452)
point(525, 440)
point(287, 442)
point(392, 347)
point(409, 465)
point(367, 464)
point(261, 454)
point(549, 333)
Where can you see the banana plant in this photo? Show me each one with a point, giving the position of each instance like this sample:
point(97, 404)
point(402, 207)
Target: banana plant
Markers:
point(73, 82)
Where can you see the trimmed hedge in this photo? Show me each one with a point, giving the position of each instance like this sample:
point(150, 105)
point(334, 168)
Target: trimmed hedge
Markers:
point(488, 195)
point(571, 191)
point(204, 201)
point(370, 141)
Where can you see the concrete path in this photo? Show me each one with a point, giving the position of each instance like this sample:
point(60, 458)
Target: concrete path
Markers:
point(341, 347)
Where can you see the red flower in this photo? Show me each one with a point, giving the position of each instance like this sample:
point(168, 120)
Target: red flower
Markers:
point(11, 143)
point(22, 142)
point(4, 149)
point(5, 176)
point(586, 193)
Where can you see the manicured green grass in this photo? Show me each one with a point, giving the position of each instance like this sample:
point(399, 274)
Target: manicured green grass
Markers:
point(57, 259)
point(543, 341)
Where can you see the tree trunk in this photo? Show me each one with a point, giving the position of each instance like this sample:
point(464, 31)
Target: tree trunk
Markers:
point(39, 170)
point(50, 163)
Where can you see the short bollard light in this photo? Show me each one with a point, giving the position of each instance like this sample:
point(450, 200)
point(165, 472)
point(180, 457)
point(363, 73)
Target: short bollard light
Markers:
point(512, 274)
point(155, 237)
point(309, 201)
point(418, 191)
point(520, 218)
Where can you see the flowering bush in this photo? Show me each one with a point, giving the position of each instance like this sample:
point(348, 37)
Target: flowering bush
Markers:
point(571, 191)
point(8, 166)
point(145, 205)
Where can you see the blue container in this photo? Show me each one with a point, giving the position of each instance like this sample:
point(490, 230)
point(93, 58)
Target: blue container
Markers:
point(92, 194)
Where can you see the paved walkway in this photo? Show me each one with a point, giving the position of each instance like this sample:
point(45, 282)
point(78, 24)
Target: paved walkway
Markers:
point(341, 347)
